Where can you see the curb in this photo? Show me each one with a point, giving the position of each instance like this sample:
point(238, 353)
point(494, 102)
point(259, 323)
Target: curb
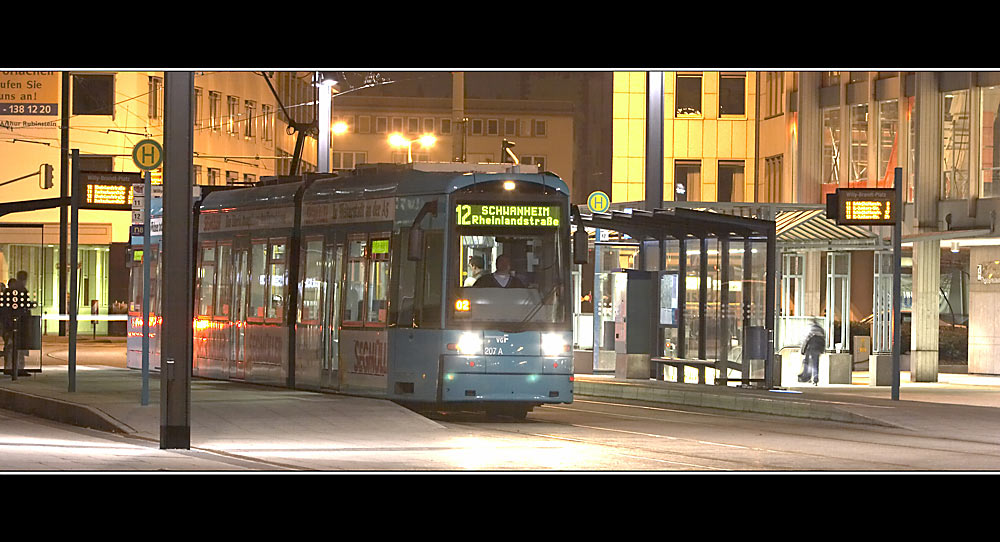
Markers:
point(724, 401)
point(60, 411)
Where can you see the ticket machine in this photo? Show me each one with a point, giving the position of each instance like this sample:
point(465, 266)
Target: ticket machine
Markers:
point(635, 322)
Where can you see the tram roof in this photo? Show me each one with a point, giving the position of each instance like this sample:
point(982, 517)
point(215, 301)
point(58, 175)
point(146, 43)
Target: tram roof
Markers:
point(413, 183)
point(380, 183)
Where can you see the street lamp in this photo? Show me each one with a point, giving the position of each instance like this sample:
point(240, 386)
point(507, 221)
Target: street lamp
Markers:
point(397, 140)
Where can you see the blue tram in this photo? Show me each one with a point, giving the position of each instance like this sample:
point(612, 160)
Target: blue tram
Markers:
point(365, 284)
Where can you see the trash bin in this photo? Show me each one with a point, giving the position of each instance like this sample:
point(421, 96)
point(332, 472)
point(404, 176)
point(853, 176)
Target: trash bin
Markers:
point(29, 336)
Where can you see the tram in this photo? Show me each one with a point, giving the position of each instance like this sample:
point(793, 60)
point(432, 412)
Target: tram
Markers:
point(362, 283)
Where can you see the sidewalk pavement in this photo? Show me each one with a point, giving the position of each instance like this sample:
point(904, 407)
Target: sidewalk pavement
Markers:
point(959, 406)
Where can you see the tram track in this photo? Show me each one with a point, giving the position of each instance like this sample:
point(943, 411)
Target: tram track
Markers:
point(766, 457)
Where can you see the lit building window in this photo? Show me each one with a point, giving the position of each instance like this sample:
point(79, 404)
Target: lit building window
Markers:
point(688, 95)
point(831, 146)
point(859, 145)
point(732, 94)
point(989, 155)
point(955, 136)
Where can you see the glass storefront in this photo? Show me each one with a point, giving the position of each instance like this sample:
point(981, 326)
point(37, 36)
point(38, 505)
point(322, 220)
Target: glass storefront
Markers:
point(41, 262)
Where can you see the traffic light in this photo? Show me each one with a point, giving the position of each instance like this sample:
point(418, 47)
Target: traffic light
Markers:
point(45, 176)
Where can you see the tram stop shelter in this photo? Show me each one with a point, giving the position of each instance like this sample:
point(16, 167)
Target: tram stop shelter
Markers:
point(723, 318)
point(702, 298)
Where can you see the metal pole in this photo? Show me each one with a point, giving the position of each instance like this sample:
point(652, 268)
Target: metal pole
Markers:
point(325, 102)
point(177, 268)
point(147, 196)
point(897, 280)
point(596, 298)
point(72, 304)
point(654, 140)
point(770, 289)
point(64, 193)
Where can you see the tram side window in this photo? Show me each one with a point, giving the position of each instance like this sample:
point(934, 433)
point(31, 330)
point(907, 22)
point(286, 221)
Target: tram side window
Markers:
point(312, 285)
point(276, 289)
point(206, 280)
point(225, 273)
point(258, 279)
point(378, 281)
point(354, 286)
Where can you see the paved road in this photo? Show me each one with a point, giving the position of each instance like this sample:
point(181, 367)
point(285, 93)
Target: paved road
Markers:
point(591, 435)
point(950, 425)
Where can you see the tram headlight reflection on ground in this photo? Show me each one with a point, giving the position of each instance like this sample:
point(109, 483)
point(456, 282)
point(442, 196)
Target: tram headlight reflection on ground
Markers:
point(553, 344)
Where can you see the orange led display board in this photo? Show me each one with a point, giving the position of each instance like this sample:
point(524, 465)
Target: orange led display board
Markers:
point(866, 206)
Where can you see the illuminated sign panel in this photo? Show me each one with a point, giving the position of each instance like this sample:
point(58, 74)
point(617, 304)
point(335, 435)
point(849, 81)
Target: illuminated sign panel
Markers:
point(108, 190)
point(109, 194)
point(866, 206)
point(547, 216)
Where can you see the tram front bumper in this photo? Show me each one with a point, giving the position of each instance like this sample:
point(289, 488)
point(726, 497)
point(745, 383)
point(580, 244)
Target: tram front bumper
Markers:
point(525, 379)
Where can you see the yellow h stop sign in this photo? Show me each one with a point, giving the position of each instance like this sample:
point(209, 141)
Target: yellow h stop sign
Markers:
point(147, 154)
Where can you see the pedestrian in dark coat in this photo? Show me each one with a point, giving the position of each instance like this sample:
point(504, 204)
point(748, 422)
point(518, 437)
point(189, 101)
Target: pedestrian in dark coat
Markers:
point(813, 345)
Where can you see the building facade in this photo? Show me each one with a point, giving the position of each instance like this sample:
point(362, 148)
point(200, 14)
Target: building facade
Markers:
point(104, 115)
point(805, 134)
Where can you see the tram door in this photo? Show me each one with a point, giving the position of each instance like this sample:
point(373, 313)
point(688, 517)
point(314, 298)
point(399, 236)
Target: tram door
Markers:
point(237, 364)
point(331, 316)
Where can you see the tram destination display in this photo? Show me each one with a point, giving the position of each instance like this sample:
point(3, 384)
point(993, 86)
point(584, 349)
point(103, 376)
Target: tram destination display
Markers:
point(863, 206)
point(546, 216)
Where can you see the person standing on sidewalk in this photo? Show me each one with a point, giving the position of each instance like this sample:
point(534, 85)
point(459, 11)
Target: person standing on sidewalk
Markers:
point(813, 345)
point(16, 285)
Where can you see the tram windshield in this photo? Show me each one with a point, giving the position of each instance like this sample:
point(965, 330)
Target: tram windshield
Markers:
point(509, 276)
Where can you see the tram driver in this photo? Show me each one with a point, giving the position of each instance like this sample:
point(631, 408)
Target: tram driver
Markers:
point(502, 277)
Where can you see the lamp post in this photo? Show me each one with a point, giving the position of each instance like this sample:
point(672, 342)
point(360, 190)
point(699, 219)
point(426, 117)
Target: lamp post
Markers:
point(397, 140)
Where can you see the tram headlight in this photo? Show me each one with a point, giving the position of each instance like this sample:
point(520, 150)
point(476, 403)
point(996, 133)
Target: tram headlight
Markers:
point(553, 344)
point(470, 344)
